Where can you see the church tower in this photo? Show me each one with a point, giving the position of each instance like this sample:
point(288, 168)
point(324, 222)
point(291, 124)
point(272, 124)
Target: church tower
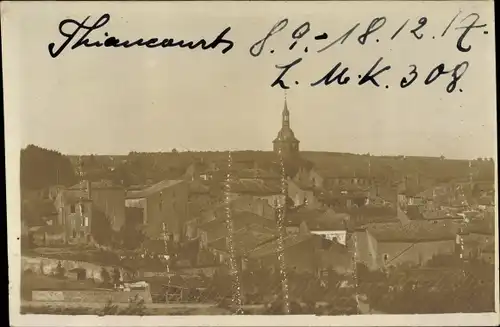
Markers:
point(286, 140)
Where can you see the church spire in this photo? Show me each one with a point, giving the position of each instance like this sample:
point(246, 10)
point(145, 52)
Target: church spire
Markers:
point(286, 115)
point(285, 142)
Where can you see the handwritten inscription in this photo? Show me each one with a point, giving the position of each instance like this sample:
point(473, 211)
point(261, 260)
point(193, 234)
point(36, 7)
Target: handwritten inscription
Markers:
point(85, 30)
point(341, 74)
point(91, 35)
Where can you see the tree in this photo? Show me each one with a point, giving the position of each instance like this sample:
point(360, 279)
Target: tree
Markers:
point(101, 227)
point(116, 276)
point(105, 276)
point(41, 168)
point(60, 271)
point(131, 233)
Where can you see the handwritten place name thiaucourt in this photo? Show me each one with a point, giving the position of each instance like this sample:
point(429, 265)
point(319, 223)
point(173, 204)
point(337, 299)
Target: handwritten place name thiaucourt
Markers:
point(78, 34)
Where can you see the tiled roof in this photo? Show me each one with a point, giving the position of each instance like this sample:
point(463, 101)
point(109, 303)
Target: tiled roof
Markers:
point(372, 214)
point(295, 217)
point(480, 226)
point(256, 173)
point(303, 185)
point(487, 200)
point(328, 221)
point(197, 186)
point(237, 204)
point(40, 207)
point(414, 231)
point(217, 228)
point(272, 247)
point(489, 248)
point(49, 229)
point(95, 185)
point(75, 196)
point(186, 282)
point(316, 219)
point(158, 187)
point(244, 240)
point(255, 187)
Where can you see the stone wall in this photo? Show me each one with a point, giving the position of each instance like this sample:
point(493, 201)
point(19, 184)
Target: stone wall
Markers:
point(91, 296)
point(49, 266)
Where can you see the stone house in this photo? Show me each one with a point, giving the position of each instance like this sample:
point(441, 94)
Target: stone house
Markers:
point(269, 190)
point(303, 254)
point(105, 196)
point(48, 235)
point(216, 229)
point(259, 207)
point(328, 178)
point(330, 225)
point(391, 244)
point(244, 240)
point(301, 193)
point(75, 211)
point(162, 203)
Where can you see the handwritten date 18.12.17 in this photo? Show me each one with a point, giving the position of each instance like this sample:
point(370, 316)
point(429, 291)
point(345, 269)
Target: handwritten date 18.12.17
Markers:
point(341, 74)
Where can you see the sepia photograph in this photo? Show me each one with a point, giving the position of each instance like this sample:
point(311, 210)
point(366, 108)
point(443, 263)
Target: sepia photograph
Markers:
point(327, 159)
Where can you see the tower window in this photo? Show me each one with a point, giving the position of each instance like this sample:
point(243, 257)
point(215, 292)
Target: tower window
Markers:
point(72, 208)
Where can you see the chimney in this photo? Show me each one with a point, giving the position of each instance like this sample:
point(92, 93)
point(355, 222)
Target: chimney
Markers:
point(89, 189)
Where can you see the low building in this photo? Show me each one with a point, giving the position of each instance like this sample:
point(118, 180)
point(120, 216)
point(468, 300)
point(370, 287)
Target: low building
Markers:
point(319, 221)
point(302, 254)
point(106, 197)
point(48, 235)
point(242, 241)
point(301, 194)
point(382, 245)
point(478, 239)
point(75, 215)
point(330, 178)
point(260, 207)
point(217, 229)
point(162, 203)
point(330, 225)
point(269, 190)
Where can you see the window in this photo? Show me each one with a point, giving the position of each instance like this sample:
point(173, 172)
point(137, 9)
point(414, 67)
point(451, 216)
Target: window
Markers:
point(82, 208)
point(72, 208)
point(86, 221)
point(74, 233)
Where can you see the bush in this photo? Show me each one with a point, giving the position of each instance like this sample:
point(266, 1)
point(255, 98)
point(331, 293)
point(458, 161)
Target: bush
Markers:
point(60, 271)
point(105, 276)
point(136, 307)
point(109, 309)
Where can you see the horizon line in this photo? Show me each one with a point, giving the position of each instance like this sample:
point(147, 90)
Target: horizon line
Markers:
point(256, 150)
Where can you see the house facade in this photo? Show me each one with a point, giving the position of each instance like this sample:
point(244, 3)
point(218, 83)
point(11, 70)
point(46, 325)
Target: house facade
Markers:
point(75, 216)
point(106, 197)
point(162, 203)
point(303, 254)
point(394, 244)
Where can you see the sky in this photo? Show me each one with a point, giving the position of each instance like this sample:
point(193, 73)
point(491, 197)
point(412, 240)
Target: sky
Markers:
point(112, 101)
